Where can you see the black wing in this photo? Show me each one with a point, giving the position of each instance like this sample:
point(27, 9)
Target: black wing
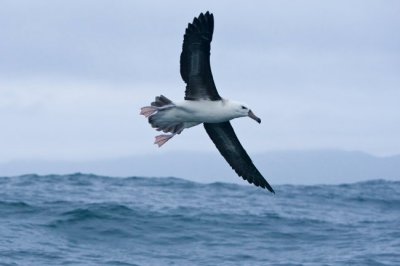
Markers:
point(195, 59)
point(227, 143)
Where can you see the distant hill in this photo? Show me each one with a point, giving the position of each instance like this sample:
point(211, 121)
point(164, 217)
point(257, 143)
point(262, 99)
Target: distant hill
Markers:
point(283, 167)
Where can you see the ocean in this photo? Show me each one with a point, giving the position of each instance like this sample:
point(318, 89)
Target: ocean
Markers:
point(85, 219)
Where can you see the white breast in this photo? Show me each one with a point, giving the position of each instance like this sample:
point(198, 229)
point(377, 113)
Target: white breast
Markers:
point(204, 111)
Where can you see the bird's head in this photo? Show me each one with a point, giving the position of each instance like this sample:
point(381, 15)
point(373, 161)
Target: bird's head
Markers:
point(242, 111)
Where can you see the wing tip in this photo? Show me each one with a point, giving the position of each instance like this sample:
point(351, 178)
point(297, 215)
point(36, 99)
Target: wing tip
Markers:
point(271, 189)
point(266, 186)
point(206, 14)
point(258, 183)
point(203, 23)
point(205, 18)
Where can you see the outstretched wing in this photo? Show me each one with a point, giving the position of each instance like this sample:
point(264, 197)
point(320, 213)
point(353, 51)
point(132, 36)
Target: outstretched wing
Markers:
point(227, 143)
point(195, 59)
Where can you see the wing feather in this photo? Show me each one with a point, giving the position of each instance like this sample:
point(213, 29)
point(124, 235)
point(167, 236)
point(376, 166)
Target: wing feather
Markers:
point(224, 138)
point(195, 59)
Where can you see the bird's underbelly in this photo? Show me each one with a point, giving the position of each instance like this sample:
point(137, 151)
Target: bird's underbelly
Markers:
point(196, 114)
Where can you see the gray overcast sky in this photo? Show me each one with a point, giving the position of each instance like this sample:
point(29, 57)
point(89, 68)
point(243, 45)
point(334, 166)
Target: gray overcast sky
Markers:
point(321, 74)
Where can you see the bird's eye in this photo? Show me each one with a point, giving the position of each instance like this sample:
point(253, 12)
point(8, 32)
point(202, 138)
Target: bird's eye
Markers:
point(243, 107)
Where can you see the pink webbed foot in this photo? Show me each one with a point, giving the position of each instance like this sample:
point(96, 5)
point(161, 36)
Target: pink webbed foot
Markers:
point(148, 110)
point(161, 139)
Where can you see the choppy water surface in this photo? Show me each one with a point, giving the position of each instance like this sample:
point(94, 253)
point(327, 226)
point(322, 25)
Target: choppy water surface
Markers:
point(91, 220)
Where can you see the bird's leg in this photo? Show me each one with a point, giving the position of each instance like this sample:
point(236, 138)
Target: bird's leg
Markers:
point(161, 139)
point(148, 110)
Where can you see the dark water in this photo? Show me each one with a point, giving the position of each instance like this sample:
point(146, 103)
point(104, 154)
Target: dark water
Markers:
point(91, 220)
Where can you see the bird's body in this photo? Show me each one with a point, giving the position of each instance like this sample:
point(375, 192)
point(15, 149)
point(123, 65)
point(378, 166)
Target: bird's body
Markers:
point(203, 104)
point(202, 111)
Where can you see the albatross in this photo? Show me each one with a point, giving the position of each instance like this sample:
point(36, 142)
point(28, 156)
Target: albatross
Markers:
point(203, 104)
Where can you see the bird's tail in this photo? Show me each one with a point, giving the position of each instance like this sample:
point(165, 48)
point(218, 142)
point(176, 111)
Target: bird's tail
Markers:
point(161, 102)
point(156, 113)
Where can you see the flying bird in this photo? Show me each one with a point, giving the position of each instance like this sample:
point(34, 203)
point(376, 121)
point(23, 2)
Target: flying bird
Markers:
point(203, 104)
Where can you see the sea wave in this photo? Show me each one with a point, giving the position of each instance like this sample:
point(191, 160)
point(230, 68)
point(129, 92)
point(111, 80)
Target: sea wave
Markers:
point(84, 219)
